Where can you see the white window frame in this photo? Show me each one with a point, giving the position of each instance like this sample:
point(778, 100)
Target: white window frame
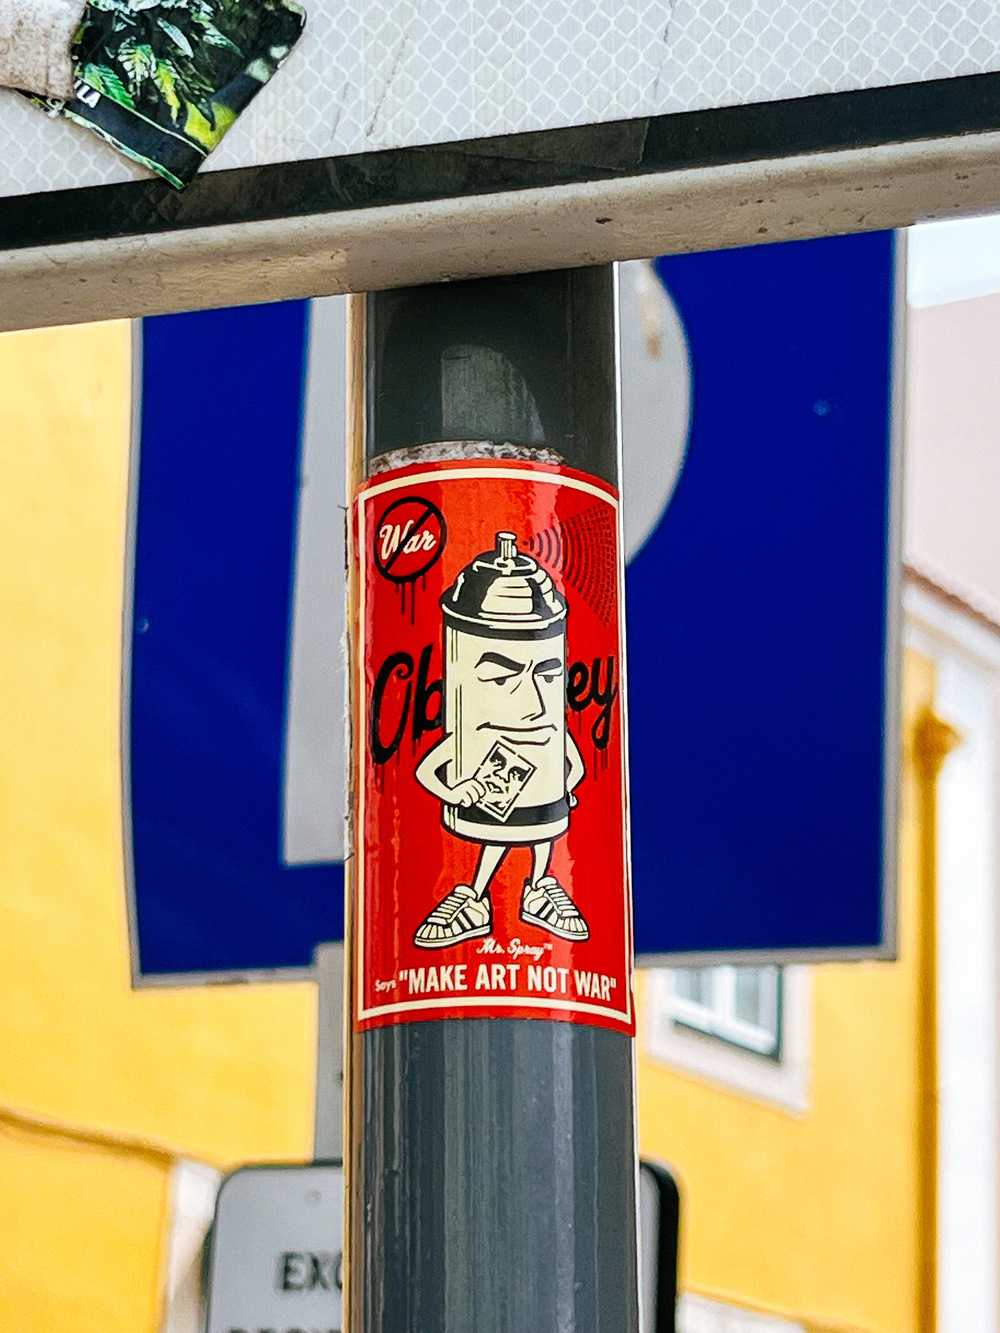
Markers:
point(783, 1083)
point(720, 1018)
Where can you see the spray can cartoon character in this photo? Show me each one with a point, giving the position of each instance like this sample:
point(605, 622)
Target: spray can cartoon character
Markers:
point(506, 767)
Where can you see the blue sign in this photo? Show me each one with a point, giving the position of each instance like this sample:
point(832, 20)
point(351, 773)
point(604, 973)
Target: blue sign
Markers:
point(758, 613)
point(218, 479)
point(757, 629)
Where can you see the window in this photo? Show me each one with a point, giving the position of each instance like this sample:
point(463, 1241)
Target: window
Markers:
point(740, 1005)
point(745, 1029)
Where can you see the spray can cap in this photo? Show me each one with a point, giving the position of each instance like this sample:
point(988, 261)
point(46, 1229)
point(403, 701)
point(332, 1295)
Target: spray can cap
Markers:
point(505, 594)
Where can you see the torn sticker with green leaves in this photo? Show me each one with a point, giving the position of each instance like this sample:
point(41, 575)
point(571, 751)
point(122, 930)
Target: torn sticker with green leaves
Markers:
point(163, 80)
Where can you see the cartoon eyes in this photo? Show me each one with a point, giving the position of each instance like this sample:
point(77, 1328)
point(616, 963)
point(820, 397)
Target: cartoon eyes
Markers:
point(499, 680)
point(549, 670)
point(548, 674)
point(505, 669)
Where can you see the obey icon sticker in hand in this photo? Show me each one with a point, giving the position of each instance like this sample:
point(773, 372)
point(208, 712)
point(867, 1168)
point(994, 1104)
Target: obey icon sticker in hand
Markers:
point(492, 868)
point(409, 539)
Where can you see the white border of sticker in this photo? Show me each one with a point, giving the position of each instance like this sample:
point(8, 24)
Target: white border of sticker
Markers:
point(437, 474)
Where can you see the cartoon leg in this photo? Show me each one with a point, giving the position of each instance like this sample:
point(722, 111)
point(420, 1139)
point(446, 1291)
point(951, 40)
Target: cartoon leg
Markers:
point(490, 856)
point(545, 903)
point(541, 855)
point(466, 913)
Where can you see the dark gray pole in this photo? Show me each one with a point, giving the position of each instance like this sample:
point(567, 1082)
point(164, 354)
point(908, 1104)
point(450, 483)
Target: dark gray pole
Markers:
point(491, 1162)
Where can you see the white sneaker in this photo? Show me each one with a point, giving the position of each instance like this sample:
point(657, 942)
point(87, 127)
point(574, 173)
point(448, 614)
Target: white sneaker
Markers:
point(547, 904)
point(460, 916)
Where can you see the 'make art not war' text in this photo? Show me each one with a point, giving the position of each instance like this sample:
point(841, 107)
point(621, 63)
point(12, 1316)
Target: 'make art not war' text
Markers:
point(499, 978)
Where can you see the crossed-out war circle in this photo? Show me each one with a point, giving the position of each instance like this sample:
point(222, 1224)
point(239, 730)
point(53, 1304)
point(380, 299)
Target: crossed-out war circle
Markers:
point(409, 539)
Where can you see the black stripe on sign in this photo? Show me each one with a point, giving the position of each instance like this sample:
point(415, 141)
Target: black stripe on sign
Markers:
point(933, 109)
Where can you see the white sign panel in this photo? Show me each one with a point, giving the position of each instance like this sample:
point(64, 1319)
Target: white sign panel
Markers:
point(368, 76)
point(277, 1251)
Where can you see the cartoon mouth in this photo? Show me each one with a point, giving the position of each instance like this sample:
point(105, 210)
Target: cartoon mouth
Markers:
point(525, 735)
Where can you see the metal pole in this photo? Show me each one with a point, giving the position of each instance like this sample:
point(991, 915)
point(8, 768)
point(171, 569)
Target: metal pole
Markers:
point(491, 1160)
point(328, 1135)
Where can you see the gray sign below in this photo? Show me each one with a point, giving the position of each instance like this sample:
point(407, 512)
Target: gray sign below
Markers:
point(277, 1251)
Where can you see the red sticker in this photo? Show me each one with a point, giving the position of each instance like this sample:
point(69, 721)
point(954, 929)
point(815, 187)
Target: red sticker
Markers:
point(492, 876)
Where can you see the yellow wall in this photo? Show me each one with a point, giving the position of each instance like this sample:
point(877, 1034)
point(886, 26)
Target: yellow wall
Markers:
point(813, 1215)
point(80, 1234)
point(220, 1073)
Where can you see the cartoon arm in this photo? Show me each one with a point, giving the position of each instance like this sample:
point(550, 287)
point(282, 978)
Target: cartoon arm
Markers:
point(577, 771)
point(428, 774)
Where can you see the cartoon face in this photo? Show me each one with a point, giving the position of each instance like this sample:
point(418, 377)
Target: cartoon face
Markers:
point(511, 690)
point(519, 692)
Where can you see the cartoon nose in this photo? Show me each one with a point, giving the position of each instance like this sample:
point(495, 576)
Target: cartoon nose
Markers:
point(534, 697)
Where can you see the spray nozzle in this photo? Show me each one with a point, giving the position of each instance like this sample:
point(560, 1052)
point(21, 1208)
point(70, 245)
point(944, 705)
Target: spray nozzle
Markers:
point(506, 550)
